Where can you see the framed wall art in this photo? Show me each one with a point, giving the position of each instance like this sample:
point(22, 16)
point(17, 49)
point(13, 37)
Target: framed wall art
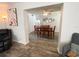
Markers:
point(12, 17)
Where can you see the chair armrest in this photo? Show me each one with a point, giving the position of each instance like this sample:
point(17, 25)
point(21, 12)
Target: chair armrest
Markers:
point(65, 49)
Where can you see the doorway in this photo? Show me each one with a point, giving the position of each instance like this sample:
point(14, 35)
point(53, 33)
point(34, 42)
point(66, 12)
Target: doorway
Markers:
point(44, 29)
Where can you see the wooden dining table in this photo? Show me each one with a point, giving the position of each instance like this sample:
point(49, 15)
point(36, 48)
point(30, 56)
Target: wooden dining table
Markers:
point(45, 30)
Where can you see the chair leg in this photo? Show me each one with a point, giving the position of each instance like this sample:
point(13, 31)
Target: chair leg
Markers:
point(53, 35)
point(50, 34)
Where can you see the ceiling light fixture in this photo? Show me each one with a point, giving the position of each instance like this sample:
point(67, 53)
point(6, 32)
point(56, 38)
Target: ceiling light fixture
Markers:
point(45, 13)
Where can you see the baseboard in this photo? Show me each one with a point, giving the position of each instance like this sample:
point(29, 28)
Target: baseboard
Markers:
point(25, 43)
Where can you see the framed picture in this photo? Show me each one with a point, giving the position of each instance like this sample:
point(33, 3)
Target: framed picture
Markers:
point(12, 17)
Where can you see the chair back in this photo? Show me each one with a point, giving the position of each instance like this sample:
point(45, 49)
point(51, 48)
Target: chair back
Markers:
point(75, 38)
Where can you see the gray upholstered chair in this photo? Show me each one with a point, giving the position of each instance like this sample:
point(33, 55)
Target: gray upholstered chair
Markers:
point(67, 47)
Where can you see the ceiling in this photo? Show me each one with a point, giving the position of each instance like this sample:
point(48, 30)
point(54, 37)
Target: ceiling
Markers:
point(50, 8)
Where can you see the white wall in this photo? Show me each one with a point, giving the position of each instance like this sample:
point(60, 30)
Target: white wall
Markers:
point(70, 23)
point(3, 15)
point(32, 21)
